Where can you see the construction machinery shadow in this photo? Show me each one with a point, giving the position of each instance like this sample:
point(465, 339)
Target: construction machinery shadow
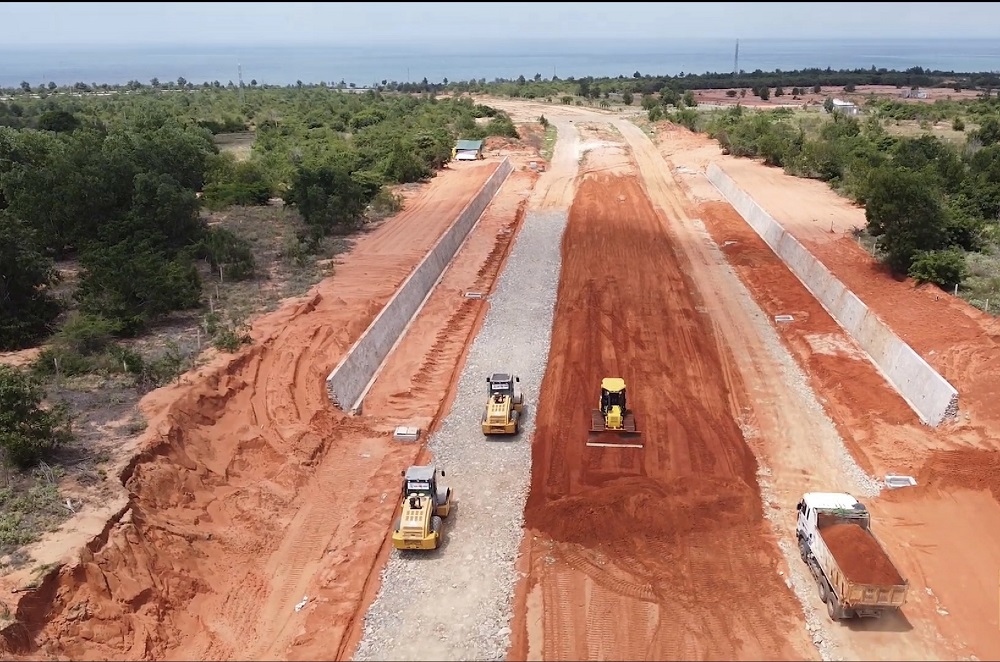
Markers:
point(894, 621)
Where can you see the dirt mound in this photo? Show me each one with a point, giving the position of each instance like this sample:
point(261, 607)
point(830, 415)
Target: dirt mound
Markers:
point(860, 557)
point(967, 469)
point(636, 507)
point(494, 143)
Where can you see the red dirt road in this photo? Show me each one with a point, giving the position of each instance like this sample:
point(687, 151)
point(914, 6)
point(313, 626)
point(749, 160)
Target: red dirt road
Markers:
point(859, 400)
point(248, 493)
point(940, 534)
point(660, 553)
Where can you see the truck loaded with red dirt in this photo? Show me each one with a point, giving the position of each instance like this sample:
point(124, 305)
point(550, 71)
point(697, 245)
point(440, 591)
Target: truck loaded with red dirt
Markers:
point(855, 576)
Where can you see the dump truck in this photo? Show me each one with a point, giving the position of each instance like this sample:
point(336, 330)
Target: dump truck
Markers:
point(613, 416)
point(425, 505)
point(504, 404)
point(853, 571)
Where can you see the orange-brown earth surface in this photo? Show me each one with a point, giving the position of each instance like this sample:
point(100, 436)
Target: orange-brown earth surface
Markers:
point(246, 496)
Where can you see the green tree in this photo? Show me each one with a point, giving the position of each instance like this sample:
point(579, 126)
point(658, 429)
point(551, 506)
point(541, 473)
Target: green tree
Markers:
point(162, 211)
point(627, 98)
point(982, 184)
point(329, 198)
point(988, 132)
point(58, 121)
point(27, 311)
point(231, 182)
point(931, 154)
point(904, 211)
point(403, 165)
point(29, 433)
point(133, 282)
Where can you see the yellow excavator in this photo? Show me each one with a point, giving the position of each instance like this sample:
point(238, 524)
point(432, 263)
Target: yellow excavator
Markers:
point(504, 404)
point(613, 415)
point(425, 505)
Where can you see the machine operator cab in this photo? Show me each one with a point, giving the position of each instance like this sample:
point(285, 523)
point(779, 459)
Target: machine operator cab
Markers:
point(420, 483)
point(501, 384)
point(612, 394)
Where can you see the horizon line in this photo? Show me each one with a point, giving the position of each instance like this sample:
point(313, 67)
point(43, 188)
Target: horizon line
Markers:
point(6, 47)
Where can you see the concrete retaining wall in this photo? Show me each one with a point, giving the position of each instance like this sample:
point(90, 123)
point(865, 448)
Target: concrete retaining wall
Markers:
point(348, 381)
point(926, 391)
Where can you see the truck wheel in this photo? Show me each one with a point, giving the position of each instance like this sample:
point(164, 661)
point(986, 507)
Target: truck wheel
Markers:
point(831, 608)
point(822, 589)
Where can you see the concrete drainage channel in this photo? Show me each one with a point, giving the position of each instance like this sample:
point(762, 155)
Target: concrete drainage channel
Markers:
point(924, 389)
point(351, 379)
point(467, 586)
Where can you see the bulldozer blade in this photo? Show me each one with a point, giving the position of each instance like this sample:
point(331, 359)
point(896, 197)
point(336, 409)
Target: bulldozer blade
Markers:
point(622, 442)
point(625, 436)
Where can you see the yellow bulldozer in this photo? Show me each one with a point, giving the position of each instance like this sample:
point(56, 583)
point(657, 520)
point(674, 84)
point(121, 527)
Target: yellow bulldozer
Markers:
point(613, 415)
point(425, 505)
point(504, 404)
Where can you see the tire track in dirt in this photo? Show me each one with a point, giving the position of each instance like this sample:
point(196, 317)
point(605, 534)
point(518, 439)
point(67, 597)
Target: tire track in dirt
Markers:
point(682, 516)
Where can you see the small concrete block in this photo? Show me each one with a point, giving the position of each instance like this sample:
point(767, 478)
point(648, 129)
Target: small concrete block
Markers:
point(784, 318)
point(473, 295)
point(403, 433)
point(893, 481)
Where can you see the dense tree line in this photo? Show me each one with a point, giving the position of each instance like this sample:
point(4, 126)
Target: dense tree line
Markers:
point(803, 80)
point(537, 87)
point(118, 183)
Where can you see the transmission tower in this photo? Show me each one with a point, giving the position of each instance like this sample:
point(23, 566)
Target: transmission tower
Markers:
point(239, 74)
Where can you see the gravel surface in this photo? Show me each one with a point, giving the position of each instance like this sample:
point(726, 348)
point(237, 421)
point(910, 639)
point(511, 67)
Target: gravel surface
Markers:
point(858, 482)
point(456, 603)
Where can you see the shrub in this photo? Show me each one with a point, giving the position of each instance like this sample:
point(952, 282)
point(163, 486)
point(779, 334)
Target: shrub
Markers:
point(945, 268)
point(223, 249)
point(29, 433)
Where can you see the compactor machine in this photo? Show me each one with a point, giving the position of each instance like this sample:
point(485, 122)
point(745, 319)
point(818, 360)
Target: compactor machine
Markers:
point(613, 416)
point(504, 404)
point(425, 505)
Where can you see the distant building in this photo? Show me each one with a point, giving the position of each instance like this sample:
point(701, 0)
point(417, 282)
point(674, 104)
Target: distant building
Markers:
point(913, 94)
point(845, 107)
point(467, 150)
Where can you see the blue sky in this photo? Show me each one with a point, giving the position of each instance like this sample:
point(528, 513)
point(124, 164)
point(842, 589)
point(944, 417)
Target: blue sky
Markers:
point(170, 23)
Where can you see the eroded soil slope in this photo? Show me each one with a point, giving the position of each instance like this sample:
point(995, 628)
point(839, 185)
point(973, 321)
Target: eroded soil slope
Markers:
point(253, 491)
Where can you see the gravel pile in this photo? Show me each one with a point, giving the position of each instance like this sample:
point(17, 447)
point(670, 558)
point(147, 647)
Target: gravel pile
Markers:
point(456, 603)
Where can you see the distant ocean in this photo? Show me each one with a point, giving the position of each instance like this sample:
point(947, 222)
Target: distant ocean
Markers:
point(364, 65)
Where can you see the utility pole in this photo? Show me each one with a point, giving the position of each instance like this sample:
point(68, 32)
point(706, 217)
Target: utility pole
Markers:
point(736, 60)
